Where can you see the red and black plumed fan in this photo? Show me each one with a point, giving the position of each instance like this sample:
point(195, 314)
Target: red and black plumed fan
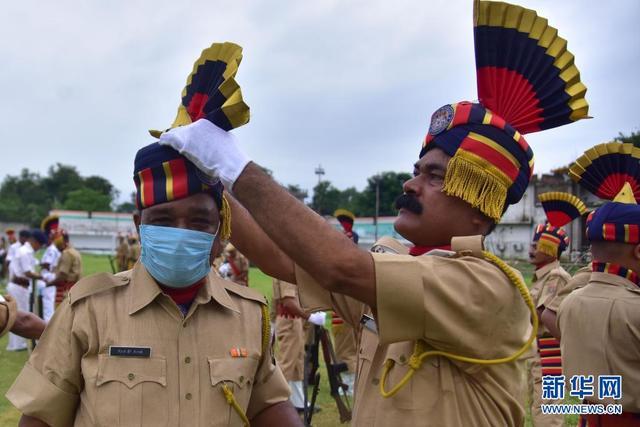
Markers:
point(604, 170)
point(524, 70)
point(561, 208)
point(212, 92)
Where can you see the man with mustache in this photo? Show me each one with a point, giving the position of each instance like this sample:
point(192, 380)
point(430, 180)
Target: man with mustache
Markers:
point(440, 334)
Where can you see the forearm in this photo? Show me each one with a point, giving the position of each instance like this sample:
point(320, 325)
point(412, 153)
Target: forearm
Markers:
point(253, 242)
point(326, 254)
point(549, 319)
point(280, 414)
point(27, 421)
point(28, 325)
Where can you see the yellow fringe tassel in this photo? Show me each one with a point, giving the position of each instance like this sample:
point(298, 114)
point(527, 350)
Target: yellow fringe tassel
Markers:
point(547, 248)
point(225, 219)
point(476, 186)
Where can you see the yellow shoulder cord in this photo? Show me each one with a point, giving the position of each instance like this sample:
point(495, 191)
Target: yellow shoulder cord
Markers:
point(266, 339)
point(231, 400)
point(420, 353)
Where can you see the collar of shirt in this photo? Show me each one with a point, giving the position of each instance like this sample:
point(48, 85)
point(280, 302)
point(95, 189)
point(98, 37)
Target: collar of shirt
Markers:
point(616, 270)
point(421, 250)
point(545, 269)
point(145, 290)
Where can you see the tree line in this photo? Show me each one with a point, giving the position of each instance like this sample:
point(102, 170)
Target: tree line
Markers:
point(28, 197)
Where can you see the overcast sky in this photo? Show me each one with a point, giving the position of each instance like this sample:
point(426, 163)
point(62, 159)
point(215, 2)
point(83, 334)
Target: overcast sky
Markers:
point(349, 84)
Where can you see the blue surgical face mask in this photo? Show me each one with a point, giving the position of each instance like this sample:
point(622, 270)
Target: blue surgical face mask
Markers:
point(175, 257)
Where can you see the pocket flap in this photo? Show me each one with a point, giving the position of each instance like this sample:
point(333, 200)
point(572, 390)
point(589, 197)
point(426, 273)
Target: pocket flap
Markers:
point(240, 371)
point(131, 371)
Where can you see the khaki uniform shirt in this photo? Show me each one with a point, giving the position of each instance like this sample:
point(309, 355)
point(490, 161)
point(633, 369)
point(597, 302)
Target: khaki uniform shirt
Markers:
point(73, 378)
point(69, 266)
point(546, 282)
point(579, 280)
point(600, 326)
point(8, 312)
point(460, 304)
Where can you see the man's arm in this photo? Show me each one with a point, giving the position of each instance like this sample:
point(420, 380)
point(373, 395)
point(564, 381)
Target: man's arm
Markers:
point(253, 242)
point(27, 421)
point(325, 253)
point(28, 325)
point(549, 319)
point(280, 414)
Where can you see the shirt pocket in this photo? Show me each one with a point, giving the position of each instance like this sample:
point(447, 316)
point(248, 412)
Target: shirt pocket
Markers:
point(238, 374)
point(131, 391)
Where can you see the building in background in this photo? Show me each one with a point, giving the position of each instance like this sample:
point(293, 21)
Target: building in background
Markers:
point(95, 232)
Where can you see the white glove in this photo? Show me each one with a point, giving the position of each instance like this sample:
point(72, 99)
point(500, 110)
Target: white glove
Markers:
point(213, 150)
point(318, 318)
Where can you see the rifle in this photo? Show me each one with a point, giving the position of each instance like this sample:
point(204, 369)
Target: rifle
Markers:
point(338, 389)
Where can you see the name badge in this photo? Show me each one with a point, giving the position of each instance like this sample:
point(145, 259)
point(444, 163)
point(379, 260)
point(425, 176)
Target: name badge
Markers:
point(121, 351)
point(368, 322)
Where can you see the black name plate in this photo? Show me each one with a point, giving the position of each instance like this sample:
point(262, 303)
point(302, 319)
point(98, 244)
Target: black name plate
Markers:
point(122, 351)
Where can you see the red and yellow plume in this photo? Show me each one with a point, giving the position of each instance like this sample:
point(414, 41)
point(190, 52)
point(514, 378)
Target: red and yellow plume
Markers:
point(561, 208)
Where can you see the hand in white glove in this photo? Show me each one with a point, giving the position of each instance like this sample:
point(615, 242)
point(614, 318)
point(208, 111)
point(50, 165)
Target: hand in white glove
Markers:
point(213, 150)
point(318, 318)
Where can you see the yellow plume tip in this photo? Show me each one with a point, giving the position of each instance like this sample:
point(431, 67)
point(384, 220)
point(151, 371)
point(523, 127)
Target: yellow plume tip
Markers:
point(626, 195)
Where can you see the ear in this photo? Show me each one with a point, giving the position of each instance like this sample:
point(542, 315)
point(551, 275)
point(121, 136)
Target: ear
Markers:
point(636, 252)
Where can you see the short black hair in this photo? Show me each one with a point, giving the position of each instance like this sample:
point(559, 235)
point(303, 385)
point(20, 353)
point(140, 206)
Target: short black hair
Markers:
point(25, 234)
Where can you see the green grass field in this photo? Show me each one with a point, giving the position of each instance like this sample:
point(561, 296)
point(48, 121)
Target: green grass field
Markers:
point(11, 362)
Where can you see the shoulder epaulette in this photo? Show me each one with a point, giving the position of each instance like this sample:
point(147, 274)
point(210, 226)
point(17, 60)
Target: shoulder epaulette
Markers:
point(245, 292)
point(95, 284)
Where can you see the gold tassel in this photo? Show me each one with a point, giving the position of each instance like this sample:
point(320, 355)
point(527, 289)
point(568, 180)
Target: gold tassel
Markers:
point(475, 185)
point(547, 247)
point(225, 219)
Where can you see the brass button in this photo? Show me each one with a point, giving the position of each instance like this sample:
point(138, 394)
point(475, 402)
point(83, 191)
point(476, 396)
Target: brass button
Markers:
point(403, 359)
point(187, 359)
point(375, 381)
point(131, 377)
point(188, 396)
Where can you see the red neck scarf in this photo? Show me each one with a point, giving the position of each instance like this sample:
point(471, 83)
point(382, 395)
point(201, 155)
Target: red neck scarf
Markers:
point(417, 250)
point(183, 295)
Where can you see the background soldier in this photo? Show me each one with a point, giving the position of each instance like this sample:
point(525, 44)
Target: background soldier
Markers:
point(343, 334)
point(122, 254)
point(134, 251)
point(69, 268)
point(290, 336)
point(48, 262)
point(238, 265)
point(600, 322)
point(23, 270)
point(549, 242)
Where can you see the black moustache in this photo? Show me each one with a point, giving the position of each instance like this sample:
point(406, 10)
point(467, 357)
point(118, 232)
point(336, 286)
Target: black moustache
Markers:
point(410, 203)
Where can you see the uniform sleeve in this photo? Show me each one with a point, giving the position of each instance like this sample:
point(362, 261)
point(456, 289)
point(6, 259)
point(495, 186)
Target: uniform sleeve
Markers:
point(463, 305)
point(288, 290)
point(314, 297)
point(8, 312)
point(269, 387)
point(550, 289)
point(49, 385)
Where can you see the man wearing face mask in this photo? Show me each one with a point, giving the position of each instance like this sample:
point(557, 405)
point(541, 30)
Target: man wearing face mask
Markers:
point(168, 343)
